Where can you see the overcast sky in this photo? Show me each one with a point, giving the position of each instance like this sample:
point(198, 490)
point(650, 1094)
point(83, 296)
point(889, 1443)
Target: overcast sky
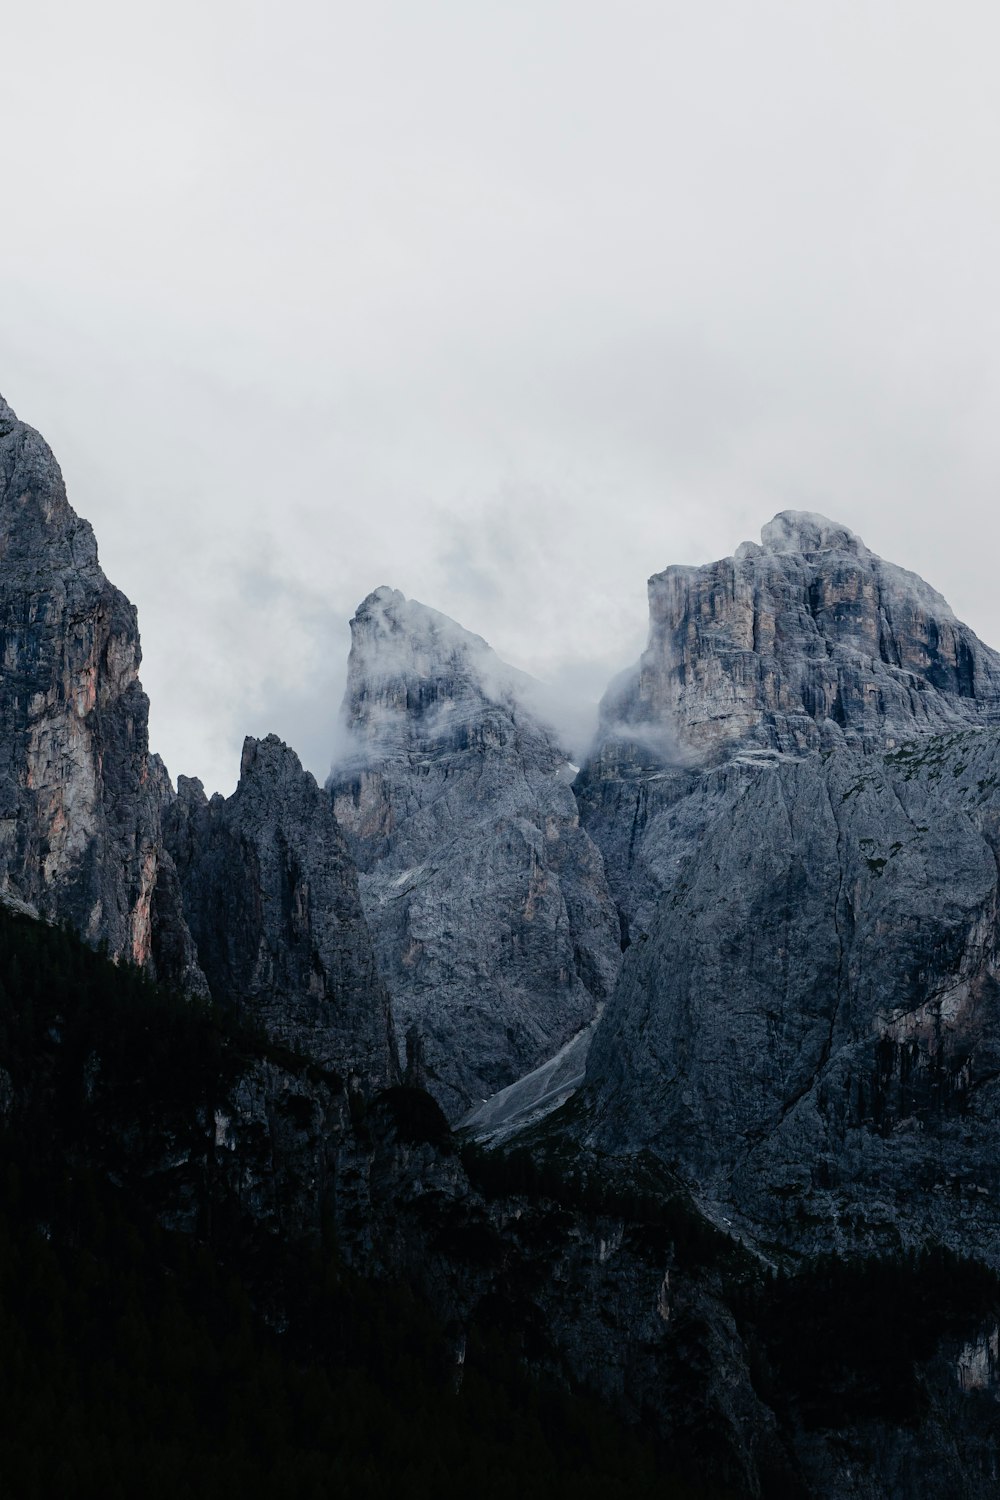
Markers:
point(505, 305)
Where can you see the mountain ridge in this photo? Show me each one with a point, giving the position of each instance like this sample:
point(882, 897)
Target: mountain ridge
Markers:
point(771, 896)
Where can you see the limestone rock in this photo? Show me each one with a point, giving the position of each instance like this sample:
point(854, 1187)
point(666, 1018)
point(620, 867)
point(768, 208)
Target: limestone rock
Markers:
point(79, 792)
point(808, 641)
point(488, 903)
point(798, 798)
point(271, 898)
point(805, 642)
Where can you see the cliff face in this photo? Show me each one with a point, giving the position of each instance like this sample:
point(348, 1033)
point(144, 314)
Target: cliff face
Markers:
point(271, 898)
point(796, 799)
point(808, 1019)
point(265, 902)
point(79, 792)
point(811, 1029)
point(491, 916)
point(807, 642)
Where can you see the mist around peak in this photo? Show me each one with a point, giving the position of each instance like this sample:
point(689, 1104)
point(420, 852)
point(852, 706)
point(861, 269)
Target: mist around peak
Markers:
point(416, 674)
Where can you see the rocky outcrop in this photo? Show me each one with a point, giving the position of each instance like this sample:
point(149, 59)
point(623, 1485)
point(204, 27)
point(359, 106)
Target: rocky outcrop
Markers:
point(808, 1020)
point(271, 898)
point(804, 643)
point(808, 641)
point(487, 901)
point(797, 799)
point(811, 1031)
point(80, 794)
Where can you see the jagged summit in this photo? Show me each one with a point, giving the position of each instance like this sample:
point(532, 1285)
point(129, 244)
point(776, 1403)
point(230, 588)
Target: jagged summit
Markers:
point(386, 615)
point(487, 901)
point(414, 672)
point(79, 791)
point(805, 641)
point(8, 416)
point(426, 697)
point(271, 898)
point(34, 510)
point(807, 531)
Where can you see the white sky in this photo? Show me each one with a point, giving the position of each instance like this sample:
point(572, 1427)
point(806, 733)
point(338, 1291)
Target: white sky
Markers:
point(504, 305)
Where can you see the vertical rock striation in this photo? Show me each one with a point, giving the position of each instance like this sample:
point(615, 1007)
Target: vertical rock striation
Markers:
point(806, 642)
point(811, 1032)
point(491, 916)
point(79, 792)
point(798, 795)
point(271, 898)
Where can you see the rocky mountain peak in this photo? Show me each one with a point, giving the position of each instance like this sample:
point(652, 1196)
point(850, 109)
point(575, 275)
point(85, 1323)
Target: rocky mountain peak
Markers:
point(491, 916)
point(269, 759)
point(413, 672)
point(34, 510)
point(805, 531)
point(806, 641)
point(271, 898)
point(79, 792)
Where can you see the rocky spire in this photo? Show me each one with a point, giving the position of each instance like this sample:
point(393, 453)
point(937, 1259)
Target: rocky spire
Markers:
point(803, 642)
point(488, 903)
point(415, 675)
point(271, 897)
point(79, 792)
point(807, 1018)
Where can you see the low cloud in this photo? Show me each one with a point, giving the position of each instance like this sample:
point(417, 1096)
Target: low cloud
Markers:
point(512, 308)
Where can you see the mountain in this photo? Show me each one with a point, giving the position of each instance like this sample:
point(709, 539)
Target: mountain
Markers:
point(805, 643)
point(807, 1026)
point(754, 1254)
point(271, 898)
point(89, 817)
point(491, 916)
point(808, 641)
point(80, 793)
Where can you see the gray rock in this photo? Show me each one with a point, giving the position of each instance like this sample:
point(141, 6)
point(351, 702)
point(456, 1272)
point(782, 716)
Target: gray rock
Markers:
point(266, 879)
point(806, 642)
point(79, 792)
point(271, 898)
point(808, 1019)
point(488, 903)
point(796, 796)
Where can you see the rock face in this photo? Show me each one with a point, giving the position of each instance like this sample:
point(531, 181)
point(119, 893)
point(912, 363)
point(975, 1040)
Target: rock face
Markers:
point(808, 641)
point(79, 792)
point(804, 643)
point(491, 916)
point(808, 1019)
point(797, 796)
point(88, 816)
point(812, 1030)
point(271, 898)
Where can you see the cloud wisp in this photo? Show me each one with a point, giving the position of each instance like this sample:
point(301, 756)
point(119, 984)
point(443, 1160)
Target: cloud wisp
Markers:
point(510, 307)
